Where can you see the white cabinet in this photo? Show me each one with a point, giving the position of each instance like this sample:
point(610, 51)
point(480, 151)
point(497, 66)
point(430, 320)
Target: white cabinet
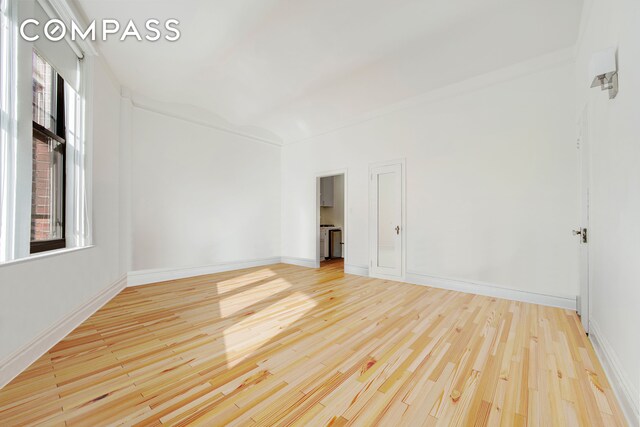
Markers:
point(326, 191)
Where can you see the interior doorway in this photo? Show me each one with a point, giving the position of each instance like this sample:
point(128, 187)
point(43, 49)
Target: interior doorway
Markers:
point(331, 209)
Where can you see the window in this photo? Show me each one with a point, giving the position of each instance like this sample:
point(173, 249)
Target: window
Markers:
point(44, 196)
point(8, 129)
point(48, 158)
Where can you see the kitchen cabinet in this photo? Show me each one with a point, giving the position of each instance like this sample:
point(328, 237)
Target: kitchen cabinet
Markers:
point(326, 192)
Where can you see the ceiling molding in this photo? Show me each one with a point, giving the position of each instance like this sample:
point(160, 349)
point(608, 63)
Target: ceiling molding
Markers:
point(469, 85)
point(206, 119)
point(585, 18)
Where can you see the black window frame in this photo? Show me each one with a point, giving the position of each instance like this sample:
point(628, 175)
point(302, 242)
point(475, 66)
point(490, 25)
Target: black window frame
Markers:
point(59, 135)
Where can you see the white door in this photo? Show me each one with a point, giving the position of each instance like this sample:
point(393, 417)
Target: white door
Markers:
point(582, 232)
point(387, 230)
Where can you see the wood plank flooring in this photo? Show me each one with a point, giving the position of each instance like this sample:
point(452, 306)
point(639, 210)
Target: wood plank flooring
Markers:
point(285, 345)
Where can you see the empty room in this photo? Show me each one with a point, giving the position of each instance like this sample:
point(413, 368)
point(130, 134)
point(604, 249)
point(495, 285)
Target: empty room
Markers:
point(320, 213)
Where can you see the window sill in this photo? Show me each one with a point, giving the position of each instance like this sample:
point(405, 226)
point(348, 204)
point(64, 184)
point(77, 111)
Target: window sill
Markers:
point(47, 254)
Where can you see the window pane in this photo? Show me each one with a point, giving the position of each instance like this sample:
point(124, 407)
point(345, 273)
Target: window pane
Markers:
point(44, 93)
point(47, 197)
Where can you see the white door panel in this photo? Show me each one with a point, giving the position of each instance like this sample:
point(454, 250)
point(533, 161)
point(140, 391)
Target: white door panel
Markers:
point(387, 215)
point(583, 230)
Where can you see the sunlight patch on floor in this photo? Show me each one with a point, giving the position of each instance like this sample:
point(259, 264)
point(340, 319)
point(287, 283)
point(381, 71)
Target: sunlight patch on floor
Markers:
point(244, 280)
point(250, 296)
point(243, 338)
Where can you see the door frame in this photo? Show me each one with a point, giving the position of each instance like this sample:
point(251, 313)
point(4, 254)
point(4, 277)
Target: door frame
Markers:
point(584, 187)
point(345, 250)
point(373, 232)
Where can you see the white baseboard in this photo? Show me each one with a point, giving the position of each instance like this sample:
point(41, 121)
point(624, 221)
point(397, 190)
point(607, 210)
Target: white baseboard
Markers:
point(302, 262)
point(491, 290)
point(17, 362)
point(356, 269)
point(622, 387)
point(144, 277)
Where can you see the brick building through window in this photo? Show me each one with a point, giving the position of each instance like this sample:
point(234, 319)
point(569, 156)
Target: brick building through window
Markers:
point(48, 161)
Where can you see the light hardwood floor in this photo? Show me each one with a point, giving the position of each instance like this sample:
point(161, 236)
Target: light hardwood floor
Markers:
point(285, 345)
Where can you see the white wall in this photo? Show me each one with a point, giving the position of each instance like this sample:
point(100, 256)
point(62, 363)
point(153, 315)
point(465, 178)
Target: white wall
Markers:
point(36, 294)
point(200, 196)
point(491, 180)
point(615, 186)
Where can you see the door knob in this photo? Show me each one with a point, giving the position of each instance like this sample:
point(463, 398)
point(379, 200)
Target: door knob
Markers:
point(582, 232)
point(397, 229)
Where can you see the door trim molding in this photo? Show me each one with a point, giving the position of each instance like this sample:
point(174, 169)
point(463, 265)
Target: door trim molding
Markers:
point(403, 215)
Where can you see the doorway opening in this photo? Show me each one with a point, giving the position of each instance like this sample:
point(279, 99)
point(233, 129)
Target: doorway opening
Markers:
point(331, 220)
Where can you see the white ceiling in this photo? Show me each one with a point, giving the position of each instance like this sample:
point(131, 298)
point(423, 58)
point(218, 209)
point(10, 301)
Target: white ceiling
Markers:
point(298, 67)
